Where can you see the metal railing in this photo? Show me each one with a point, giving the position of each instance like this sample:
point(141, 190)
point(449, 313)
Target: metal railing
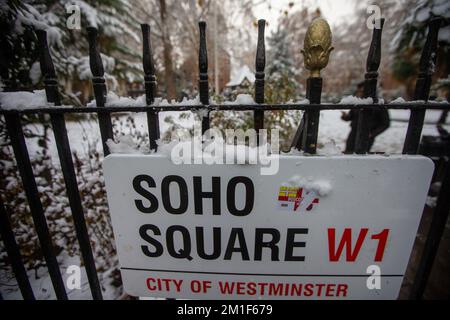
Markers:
point(305, 139)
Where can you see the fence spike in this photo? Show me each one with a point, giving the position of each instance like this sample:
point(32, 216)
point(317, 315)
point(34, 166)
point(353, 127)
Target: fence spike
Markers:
point(99, 85)
point(48, 69)
point(150, 86)
point(316, 51)
point(149, 68)
point(96, 64)
point(260, 64)
point(423, 84)
point(370, 90)
point(203, 73)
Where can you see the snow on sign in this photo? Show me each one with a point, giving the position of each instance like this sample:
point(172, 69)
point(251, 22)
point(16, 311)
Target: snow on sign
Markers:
point(339, 227)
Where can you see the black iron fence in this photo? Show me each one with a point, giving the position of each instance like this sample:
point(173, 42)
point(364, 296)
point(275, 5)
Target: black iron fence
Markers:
point(305, 139)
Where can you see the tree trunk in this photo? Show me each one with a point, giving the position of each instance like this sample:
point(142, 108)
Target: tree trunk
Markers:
point(169, 78)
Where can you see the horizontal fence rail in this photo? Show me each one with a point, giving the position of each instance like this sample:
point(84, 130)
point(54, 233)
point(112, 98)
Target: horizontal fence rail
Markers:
point(234, 107)
point(305, 138)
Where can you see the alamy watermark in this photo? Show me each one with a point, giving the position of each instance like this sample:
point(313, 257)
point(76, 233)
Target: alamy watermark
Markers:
point(374, 280)
point(73, 281)
point(73, 22)
point(233, 147)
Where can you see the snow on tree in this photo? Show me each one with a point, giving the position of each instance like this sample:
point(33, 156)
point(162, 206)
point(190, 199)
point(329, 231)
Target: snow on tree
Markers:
point(280, 69)
point(409, 40)
point(118, 37)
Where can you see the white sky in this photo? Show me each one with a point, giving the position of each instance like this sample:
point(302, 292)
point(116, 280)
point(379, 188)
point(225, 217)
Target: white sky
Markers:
point(335, 11)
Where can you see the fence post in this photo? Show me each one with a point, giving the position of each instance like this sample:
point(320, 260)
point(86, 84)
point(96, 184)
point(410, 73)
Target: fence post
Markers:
point(15, 133)
point(98, 82)
point(203, 74)
point(370, 90)
point(316, 51)
point(14, 254)
point(65, 157)
point(423, 84)
point(150, 86)
point(437, 227)
point(260, 64)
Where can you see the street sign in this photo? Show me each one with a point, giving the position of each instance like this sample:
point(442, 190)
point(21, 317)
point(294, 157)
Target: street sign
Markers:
point(337, 227)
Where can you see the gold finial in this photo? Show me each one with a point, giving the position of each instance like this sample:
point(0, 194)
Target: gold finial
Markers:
point(317, 46)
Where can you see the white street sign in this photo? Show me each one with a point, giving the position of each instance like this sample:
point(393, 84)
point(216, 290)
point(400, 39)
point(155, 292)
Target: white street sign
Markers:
point(339, 227)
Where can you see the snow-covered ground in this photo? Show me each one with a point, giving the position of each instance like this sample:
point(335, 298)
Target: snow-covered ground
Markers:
point(332, 128)
point(42, 286)
point(391, 141)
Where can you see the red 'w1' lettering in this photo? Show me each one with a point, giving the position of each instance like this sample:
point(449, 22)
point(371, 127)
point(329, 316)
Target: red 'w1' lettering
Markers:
point(351, 253)
point(382, 239)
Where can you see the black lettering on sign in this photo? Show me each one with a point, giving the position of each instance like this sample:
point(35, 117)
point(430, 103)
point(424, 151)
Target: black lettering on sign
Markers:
point(137, 186)
point(185, 251)
point(199, 231)
point(143, 232)
point(271, 244)
point(236, 233)
point(249, 196)
point(199, 195)
point(165, 193)
point(291, 244)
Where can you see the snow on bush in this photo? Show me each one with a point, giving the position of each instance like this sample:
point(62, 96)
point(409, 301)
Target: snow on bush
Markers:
point(83, 68)
point(31, 17)
point(242, 98)
point(52, 193)
point(35, 73)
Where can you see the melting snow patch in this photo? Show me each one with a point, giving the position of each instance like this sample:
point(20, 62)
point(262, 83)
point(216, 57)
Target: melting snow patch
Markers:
point(329, 149)
point(21, 100)
point(113, 100)
point(355, 100)
point(399, 100)
point(403, 101)
point(124, 144)
point(321, 187)
point(303, 101)
point(160, 102)
point(242, 98)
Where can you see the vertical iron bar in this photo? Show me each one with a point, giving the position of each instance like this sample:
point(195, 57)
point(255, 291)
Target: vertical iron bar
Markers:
point(370, 90)
point(437, 227)
point(15, 132)
point(423, 84)
point(313, 93)
point(260, 64)
point(297, 141)
point(14, 256)
point(65, 156)
point(6, 55)
point(6, 231)
point(150, 86)
point(98, 82)
point(203, 74)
